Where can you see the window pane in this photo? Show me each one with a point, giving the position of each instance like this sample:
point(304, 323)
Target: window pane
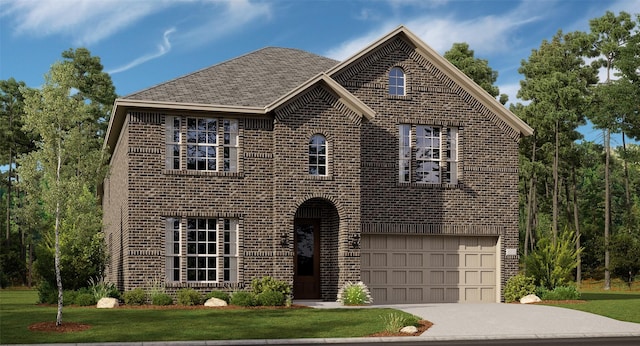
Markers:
point(191, 249)
point(212, 275)
point(212, 249)
point(191, 236)
point(202, 262)
point(191, 262)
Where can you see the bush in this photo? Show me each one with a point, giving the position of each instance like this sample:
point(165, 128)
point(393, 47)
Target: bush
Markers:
point(101, 289)
point(270, 298)
point(551, 264)
point(561, 293)
point(135, 297)
point(68, 297)
point(47, 294)
point(218, 294)
point(243, 298)
point(517, 287)
point(354, 294)
point(393, 322)
point(267, 283)
point(85, 299)
point(161, 299)
point(189, 296)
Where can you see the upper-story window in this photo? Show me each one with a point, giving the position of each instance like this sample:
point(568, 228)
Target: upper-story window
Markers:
point(397, 82)
point(207, 140)
point(318, 155)
point(436, 154)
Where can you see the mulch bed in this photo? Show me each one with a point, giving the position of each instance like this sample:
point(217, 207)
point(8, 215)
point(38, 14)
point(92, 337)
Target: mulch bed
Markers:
point(65, 327)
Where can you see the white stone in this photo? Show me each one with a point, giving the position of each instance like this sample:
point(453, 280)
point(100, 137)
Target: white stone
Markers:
point(215, 302)
point(409, 330)
point(532, 298)
point(107, 303)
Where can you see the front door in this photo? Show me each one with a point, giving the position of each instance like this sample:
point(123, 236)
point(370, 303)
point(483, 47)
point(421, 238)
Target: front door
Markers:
point(306, 261)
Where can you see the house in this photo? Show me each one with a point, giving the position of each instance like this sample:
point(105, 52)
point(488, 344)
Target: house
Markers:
point(391, 167)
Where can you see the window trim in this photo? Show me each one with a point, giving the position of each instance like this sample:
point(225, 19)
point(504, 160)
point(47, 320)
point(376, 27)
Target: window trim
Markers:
point(318, 155)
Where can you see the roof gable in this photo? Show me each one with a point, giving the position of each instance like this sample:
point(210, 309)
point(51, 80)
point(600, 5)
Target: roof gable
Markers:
point(467, 88)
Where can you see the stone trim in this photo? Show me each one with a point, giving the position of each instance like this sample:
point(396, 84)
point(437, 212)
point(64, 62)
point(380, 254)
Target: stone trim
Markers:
point(490, 169)
point(256, 155)
point(155, 118)
point(139, 150)
point(185, 172)
point(432, 229)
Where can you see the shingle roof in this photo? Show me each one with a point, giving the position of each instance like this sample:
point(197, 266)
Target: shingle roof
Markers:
point(252, 80)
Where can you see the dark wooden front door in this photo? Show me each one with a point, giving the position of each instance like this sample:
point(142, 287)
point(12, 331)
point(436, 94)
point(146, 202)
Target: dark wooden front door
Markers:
point(306, 261)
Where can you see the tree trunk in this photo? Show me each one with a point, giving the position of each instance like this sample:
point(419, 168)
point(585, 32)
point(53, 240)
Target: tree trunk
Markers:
point(576, 220)
point(530, 200)
point(57, 245)
point(607, 212)
point(627, 194)
point(554, 225)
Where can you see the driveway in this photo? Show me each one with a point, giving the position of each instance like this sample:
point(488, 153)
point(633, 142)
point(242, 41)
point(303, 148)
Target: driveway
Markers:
point(508, 321)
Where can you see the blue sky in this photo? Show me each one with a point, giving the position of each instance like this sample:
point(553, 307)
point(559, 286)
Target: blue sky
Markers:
point(146, 42)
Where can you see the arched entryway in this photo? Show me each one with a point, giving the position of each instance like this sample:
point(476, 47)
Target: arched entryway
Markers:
point(315, 250)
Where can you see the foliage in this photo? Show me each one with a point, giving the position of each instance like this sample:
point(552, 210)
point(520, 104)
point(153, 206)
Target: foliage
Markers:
point(517, 287)
point(354, 294)
point(626, 258)
point(552, 265)
point(270, 298)
point(136, 296)
point(267, 283)
point(161, 299)
point(85, 299)
point(569, 292)
point(243, 298)
point(69, 297)
point(477, 69)
point(218, 294)
point(101, 289)
point(393, 322)
point(47, 294)
point(189, 296)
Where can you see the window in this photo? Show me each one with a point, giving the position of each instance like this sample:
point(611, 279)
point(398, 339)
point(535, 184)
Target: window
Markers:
point(397, 82)
point(173, 249)
point(202, 262)
point(436, 154)
point(318, 155)
point(205, 143)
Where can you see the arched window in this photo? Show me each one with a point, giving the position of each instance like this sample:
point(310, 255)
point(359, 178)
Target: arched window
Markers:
point(318, 155)
point(397, 82)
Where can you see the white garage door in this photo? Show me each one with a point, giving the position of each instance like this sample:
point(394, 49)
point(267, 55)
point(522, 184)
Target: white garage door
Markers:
point(429, 269)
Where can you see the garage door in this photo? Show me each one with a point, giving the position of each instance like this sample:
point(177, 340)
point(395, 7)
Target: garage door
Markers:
point(429, 269)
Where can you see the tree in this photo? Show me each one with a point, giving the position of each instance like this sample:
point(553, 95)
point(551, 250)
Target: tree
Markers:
point(552, 263)
point(477, 69)
point(609, 34)
point(64, 157)
point(556, 82)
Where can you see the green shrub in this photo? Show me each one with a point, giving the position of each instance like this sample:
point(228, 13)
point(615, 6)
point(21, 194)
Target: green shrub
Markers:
point(517, 287)
point(161, 299)
point(552, 265)
point(218, 294)
point(135, 297)
point(561, 293)
point(270, 298)
point(47, 294)
point(354, 294)
point(85, 299)
point(189, 296)
point(267, 283)
point(393, 322)
point(69, 297)
point(101, 289)
point(243, 298)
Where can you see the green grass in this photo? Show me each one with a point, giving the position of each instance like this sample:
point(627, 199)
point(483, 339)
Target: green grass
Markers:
point(619, 305)
point(18, 311)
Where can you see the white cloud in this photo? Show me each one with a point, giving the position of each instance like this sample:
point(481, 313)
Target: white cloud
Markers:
point(86, 22)
point(163, 48)
point(486, 34)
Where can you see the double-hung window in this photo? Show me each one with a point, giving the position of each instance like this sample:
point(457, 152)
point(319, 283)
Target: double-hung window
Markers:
point(211, 144)
point(203, 239)
point(428, 154)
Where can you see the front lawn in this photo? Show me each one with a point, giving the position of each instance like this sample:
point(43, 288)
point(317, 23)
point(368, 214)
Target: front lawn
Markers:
point(18, 311)
point(619, 305)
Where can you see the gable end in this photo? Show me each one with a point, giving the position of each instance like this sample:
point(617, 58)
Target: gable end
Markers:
point(319, 92)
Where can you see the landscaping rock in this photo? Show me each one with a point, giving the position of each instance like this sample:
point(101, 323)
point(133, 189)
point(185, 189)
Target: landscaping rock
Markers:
point(532, 298)
point(409, 330)
point(107, 303)
point(215, 302)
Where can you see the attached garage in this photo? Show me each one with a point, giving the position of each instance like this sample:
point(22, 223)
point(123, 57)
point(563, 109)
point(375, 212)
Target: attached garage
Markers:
point(430, 268)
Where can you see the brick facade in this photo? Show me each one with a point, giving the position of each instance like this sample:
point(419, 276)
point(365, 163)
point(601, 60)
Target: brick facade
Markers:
point(271, 188)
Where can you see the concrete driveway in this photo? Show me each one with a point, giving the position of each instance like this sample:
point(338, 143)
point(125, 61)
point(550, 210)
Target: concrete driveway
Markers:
point(508, 321)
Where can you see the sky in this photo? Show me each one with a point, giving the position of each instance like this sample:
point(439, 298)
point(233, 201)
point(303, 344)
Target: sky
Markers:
point(142, 43)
